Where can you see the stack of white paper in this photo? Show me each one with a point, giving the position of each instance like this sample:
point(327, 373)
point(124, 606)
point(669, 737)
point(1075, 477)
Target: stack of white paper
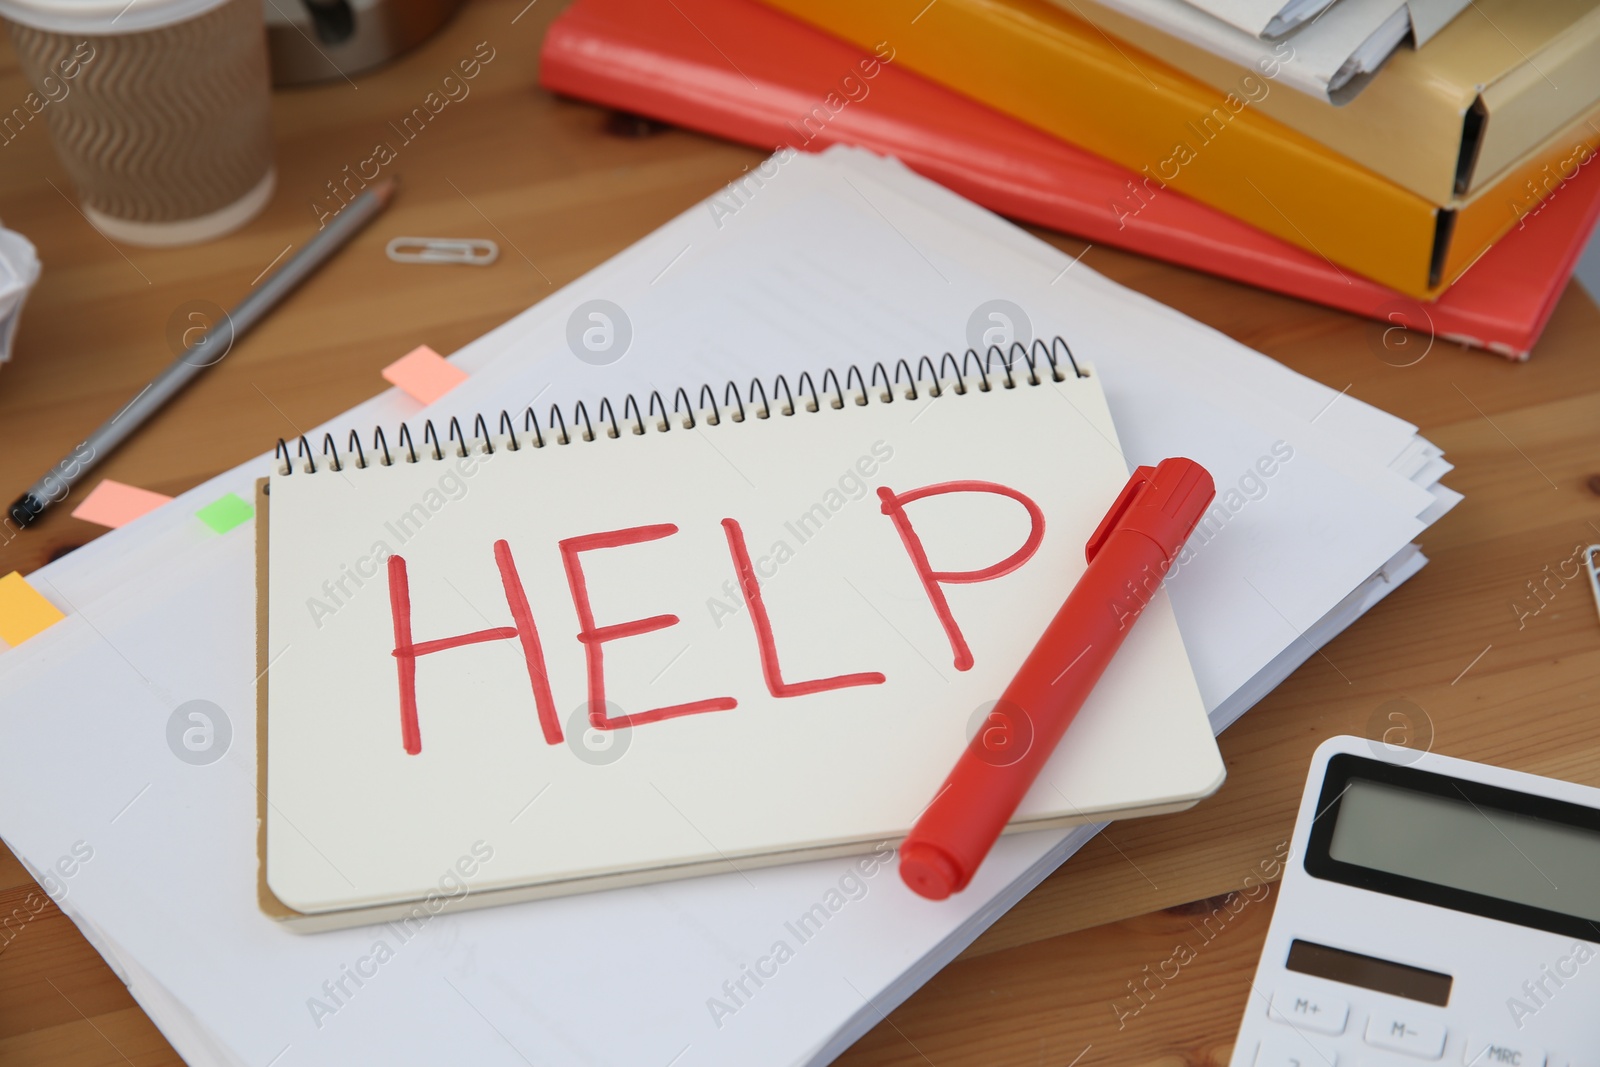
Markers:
point(1263, 18)
point(807, 263)
point(1330, 51)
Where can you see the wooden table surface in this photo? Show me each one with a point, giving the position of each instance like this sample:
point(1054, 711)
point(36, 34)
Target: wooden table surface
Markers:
point(562, 186)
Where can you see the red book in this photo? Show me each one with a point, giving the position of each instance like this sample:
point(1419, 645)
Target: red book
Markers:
point(739, 70)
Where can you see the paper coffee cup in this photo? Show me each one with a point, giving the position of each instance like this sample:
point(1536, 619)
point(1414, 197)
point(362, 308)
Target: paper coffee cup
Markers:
point(158, 109)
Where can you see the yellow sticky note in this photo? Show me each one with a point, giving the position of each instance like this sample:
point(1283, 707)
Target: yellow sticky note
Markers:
point(114, 504)
point(23, 612)
point(424, 373)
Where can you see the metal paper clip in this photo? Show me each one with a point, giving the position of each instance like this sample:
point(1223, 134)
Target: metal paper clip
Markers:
point(469, 250)
point(1589, 555)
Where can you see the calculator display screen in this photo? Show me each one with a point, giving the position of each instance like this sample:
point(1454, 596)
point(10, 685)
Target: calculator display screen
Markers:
point(1460, 844)
point(1369, 972)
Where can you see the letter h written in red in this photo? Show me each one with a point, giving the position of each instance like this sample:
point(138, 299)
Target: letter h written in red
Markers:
point(406, 650)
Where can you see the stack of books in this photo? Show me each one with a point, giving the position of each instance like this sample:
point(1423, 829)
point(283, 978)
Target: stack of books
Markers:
point(1419, 162)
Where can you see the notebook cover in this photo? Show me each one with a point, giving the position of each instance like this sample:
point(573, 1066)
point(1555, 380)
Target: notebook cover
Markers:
point(768, 72)
point(1028, 59)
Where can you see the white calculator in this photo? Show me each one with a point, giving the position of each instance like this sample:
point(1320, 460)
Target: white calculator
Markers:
point(1432, 910)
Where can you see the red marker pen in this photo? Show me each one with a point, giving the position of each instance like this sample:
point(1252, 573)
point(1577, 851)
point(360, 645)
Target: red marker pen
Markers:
point(1129, 555)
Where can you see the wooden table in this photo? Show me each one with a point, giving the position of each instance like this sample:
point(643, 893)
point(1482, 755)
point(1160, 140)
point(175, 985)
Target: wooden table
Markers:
point(561, 187)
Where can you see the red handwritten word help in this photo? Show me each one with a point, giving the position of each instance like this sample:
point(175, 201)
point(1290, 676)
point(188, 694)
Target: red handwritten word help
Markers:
point(593, 636)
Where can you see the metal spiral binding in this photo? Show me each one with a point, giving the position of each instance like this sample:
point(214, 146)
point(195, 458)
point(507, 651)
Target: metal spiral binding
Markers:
point(950, 374)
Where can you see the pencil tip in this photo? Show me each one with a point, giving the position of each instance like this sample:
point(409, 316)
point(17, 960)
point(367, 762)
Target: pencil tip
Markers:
point(25, 509)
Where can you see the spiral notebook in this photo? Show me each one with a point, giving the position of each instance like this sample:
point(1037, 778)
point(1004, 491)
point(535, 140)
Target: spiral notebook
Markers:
point(657, 639)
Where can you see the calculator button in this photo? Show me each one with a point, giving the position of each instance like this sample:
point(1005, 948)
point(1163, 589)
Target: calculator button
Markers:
point(1284, 1049)
point(1310, 1011)
point(1484, 1053)
point(1406, 1033)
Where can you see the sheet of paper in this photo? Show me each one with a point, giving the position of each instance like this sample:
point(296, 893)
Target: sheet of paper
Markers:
point(1324, 58)
point(1263, 18)
point(503, 985)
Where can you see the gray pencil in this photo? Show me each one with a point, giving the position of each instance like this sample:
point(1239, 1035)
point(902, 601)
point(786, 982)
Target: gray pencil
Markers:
point(205, 352)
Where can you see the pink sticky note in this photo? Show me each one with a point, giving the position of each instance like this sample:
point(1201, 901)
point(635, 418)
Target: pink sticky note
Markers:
point(114, 504)
point(424, 373)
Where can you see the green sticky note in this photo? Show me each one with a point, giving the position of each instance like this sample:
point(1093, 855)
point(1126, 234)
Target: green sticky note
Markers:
point(224, 514)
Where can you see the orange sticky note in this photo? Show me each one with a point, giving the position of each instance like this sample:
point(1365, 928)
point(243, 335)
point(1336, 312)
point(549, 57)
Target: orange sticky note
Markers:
point(23, 612)
point(424, 373)
point(114, 504)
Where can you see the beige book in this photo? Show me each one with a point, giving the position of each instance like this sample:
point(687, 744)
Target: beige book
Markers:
point(1443, 121)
